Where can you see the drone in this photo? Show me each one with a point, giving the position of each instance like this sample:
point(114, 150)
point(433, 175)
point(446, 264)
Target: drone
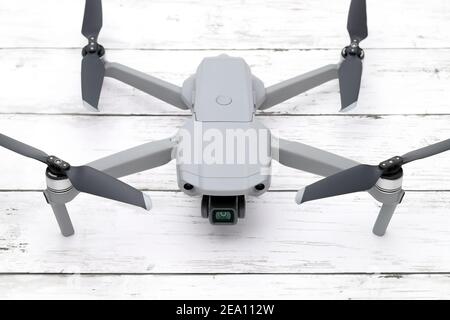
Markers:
point(223, 153)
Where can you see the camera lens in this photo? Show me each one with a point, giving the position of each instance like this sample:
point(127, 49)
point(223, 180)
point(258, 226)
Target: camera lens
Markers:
point(223, 216)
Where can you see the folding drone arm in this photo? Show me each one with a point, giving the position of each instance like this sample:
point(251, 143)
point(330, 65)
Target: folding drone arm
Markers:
point(134, 160)
point(288, 89)
point(141, 158)
point(94, 67)
point(309, 159)
point(155, 87)
point(348, 71)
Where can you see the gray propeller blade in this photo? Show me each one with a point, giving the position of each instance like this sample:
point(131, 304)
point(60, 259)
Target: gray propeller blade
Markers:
point(92, 75)
point(84, 178)
point(359, 178)
point(427, 151)
point(89, 180)
point(364, 177)
point(350, 73)
point(357, 20)
point(93, 19)
point(22, 148)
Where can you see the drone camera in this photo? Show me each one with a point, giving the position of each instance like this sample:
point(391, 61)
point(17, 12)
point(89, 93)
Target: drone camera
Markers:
point(223, 210)
point(223, 216)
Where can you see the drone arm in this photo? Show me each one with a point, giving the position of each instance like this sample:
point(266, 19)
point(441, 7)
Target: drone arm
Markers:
point(141, 158)
point(144, 157)
point(285, 90)
point(309, 159)
point(155, 87)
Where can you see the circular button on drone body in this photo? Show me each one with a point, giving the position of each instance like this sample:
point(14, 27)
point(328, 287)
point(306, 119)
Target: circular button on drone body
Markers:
point(224, 100)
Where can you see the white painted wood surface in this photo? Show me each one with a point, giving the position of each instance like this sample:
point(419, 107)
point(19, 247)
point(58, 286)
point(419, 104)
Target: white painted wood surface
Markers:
point(224, 287)
point(331, 236)
point(231, 24)
point(320, 250)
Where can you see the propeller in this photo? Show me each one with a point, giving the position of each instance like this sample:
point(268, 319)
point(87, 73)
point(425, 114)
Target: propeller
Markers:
point(364, 177)
point(92, 66)
point(350, 70)
point(84, 178)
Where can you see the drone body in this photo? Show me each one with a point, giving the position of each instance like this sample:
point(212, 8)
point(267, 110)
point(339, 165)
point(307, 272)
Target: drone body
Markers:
point(223, 95)
point(223, 152)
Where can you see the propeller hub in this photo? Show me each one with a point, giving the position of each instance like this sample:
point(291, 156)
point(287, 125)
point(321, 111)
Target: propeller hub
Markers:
point(93, 48)
point(57, 167)
point(353, 50)
point(392, 168)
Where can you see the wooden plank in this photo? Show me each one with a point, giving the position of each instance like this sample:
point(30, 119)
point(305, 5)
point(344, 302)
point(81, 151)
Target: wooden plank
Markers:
point(209, 24)
point(397, 82)
point(81, 139)
point(225, 287)
point(277, 236)
point(321, 250)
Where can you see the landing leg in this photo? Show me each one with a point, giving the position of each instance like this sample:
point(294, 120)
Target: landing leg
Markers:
point(63, 219)
point(384, 217)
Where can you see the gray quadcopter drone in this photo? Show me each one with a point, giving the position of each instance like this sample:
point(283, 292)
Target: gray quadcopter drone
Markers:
point(223, 96)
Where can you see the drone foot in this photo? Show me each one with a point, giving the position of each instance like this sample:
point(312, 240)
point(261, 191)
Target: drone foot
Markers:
point(63, 219)
point(383, 219)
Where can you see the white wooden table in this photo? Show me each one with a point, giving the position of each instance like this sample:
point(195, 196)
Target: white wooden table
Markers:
point(324, 249)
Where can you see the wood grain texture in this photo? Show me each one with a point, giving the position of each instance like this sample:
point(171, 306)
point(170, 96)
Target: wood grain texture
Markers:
point(398, 82)
point(277, 236)
point(231, 24)
point(223, 287)
point(323, 249)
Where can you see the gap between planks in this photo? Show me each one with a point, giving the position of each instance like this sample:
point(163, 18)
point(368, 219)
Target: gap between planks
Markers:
point(231, 274)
